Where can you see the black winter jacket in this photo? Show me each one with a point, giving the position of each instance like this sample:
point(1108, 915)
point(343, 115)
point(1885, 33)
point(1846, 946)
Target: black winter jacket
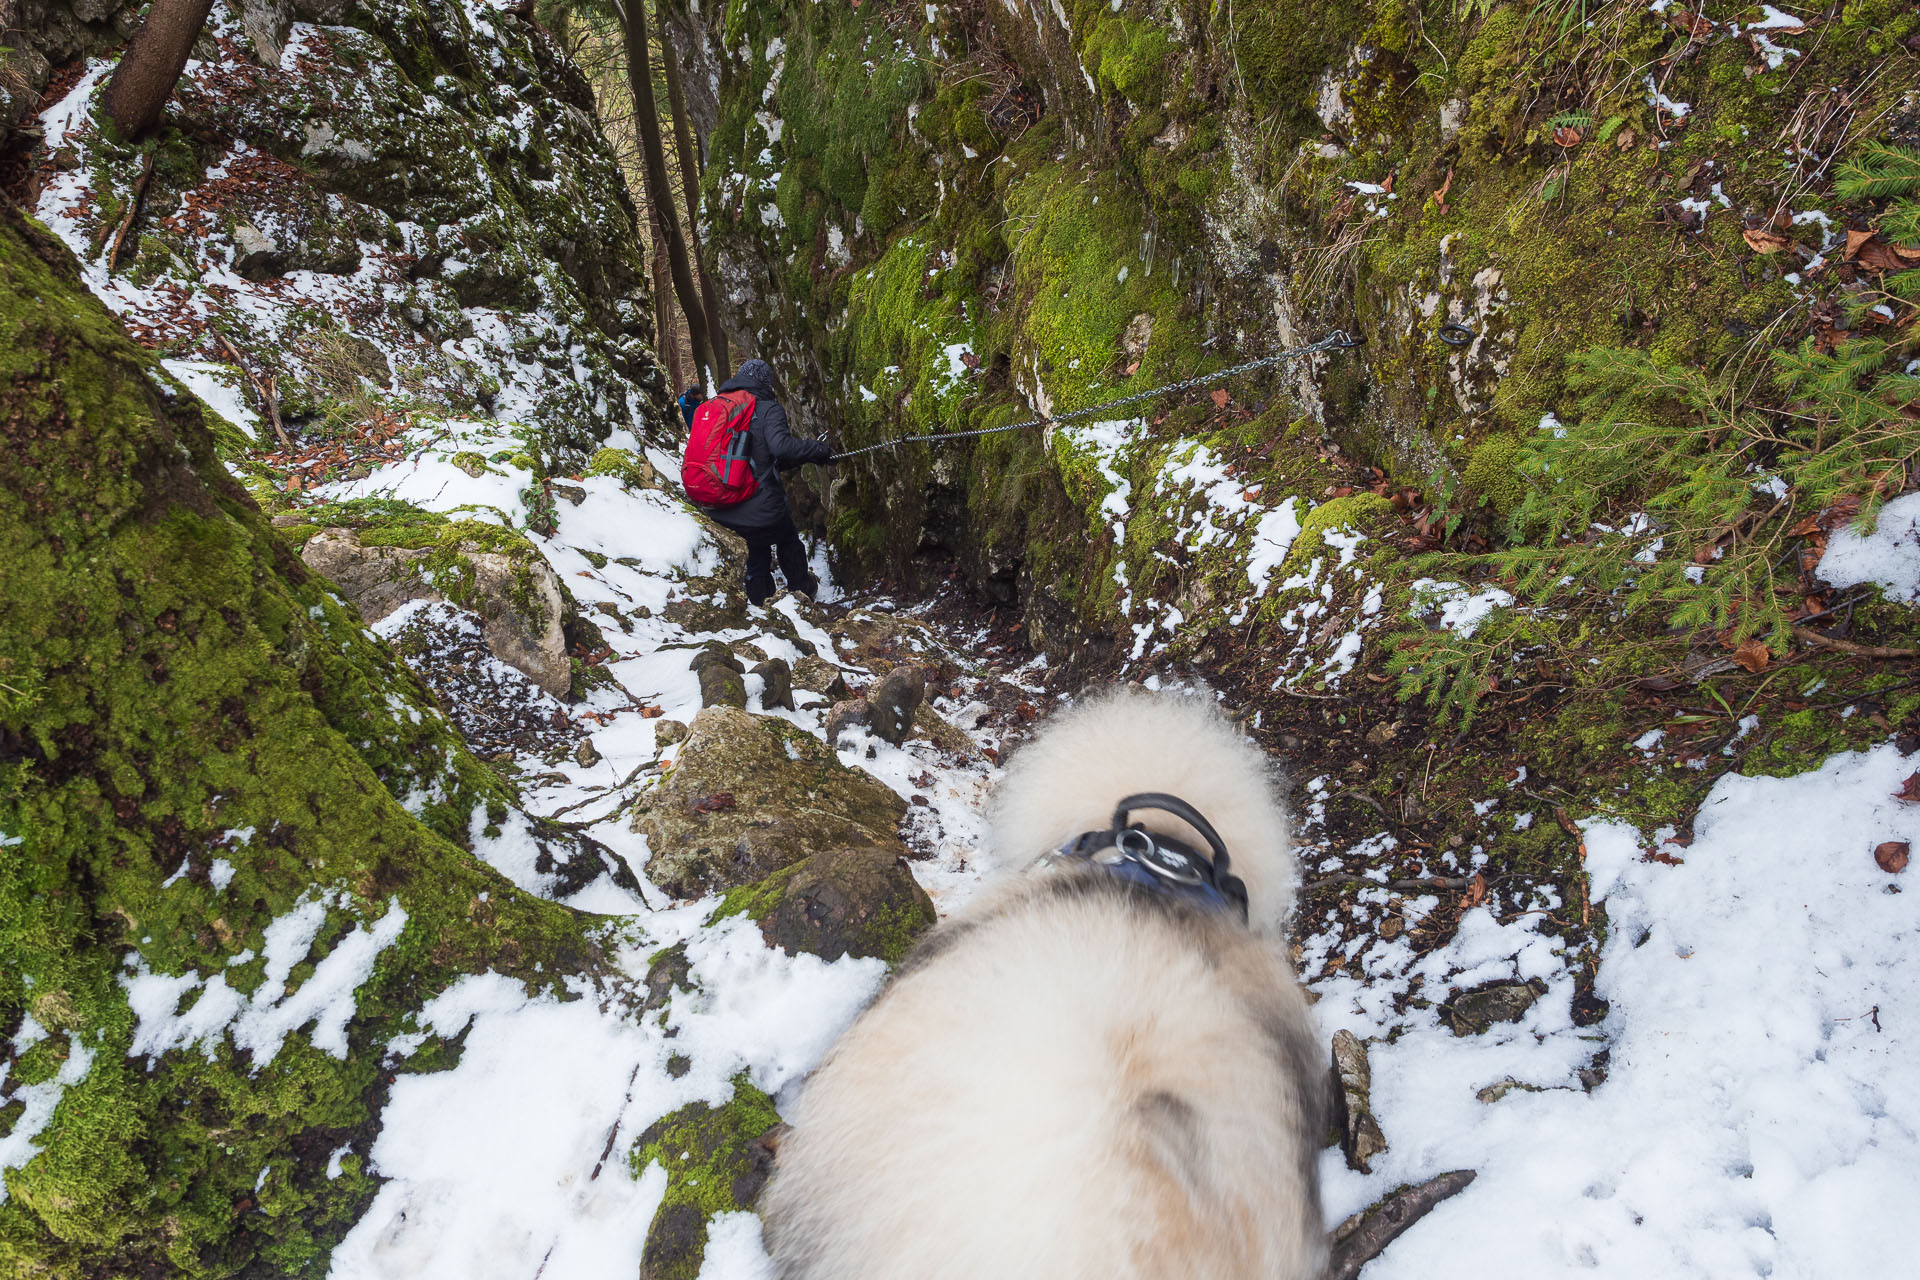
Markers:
point(770, 448)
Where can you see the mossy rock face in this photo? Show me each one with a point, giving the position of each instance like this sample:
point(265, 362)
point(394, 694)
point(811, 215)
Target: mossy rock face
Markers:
point(716, 1162)
point(515, 592)
point(176, 690)
point(1490, 474)
point(840, 902)
point(626, 466)
point(1340, 165)
point(751, 794)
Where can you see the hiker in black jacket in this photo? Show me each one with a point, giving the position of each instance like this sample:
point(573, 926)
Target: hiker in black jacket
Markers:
point(763, 519)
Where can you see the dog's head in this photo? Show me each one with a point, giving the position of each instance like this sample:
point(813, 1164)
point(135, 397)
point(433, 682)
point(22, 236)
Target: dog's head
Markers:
point(1068, 778)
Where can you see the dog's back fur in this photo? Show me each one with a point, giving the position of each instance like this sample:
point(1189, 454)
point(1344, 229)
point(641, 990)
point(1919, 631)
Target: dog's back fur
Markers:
point(1075, 1078)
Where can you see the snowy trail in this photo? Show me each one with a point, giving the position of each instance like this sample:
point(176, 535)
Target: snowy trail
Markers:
point(1756, 1115)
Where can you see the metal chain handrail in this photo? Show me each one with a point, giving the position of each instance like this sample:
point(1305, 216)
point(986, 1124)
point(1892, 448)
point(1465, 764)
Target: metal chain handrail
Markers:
point(1338, 340)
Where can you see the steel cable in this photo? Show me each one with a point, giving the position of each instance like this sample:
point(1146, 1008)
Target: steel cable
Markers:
point(1338, 340)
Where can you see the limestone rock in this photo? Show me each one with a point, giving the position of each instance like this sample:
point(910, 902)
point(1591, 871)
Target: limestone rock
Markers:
point(669, 969)
point(1360, 1136)
point(853, 902)
point(937, 729)
point(517, 598)
point(1472, 1012)
point(716, 1161)
point(852, 713)
point(893, 700)
point(817, 675)
point(267, 23)
point(777, 680)
point(722, 687)
point(752, 794)
point(668, 732)
point(586, 755)
point(255, 255)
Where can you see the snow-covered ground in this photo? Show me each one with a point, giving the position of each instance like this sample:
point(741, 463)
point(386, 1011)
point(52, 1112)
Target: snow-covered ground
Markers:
point(515, 1162)
point(1760, 1111)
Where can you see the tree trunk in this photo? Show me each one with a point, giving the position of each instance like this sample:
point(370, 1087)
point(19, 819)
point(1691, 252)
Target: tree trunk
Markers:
point(690, 177)
point(646, 125)
point(152, 64)
point(667, 340)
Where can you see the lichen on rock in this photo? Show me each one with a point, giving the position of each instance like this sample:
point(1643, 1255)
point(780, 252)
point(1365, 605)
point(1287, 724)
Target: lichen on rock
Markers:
point(751, 794)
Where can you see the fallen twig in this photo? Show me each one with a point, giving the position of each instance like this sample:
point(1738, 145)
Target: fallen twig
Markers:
point(1819, 641)
point(1365, 1236)
point(133, 210)
point(263, 388)
point(1402, 886)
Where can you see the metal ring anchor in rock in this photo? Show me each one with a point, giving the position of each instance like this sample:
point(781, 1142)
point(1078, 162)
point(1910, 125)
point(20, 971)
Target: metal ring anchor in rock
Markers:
point(1456, 335)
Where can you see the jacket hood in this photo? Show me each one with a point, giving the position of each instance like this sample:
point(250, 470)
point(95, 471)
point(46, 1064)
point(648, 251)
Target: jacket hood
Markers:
point(755, 376)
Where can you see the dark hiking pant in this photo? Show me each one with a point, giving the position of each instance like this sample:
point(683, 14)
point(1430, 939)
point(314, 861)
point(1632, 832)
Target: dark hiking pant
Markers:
point(762, 544)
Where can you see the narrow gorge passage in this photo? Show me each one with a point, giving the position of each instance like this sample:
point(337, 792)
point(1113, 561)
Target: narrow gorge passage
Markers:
point(418, 859)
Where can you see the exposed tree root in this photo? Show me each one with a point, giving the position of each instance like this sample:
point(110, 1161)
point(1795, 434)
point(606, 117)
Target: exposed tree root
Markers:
point(1364, 1236)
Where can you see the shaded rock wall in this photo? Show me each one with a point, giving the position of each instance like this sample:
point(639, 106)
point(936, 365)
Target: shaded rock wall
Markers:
point(405, 202)
point(940, 217)
point(221, 802)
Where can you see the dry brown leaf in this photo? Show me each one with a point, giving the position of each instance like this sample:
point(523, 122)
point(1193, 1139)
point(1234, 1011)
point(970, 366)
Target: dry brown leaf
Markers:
point(1891, 856)
point(1753, 655)
point(652, 713)
point(1693, 25)
point(1765, 241)
point(1219, 397)
point(1877, 255)
point(1909, 790)
point(1476, 892)
point(1566, 137)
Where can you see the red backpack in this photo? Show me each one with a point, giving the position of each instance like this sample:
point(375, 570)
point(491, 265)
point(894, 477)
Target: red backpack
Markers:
point(715, 470)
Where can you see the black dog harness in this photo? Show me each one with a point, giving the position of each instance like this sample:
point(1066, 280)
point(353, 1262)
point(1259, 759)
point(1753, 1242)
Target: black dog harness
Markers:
point(1157, 862)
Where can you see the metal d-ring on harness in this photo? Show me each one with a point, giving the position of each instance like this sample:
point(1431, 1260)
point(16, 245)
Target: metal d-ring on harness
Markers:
point(1159, 862)
point(1338, 340)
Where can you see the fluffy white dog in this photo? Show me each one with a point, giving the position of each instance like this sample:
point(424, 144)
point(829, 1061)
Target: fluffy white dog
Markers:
point(1085, 1075)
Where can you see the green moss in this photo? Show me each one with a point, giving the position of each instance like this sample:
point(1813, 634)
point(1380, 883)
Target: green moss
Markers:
point(1128, 56)
point(711, 1166)
point(179, 678)
point(1356, 512)
point(1490, 473)
point(1278, 52)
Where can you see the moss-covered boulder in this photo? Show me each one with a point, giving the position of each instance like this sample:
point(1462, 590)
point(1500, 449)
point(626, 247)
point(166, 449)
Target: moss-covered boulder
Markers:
point(751, 794)
point(720, 675)
point(716, 1159)
point(197, 743)
point(839, 902)
point(492, 571)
